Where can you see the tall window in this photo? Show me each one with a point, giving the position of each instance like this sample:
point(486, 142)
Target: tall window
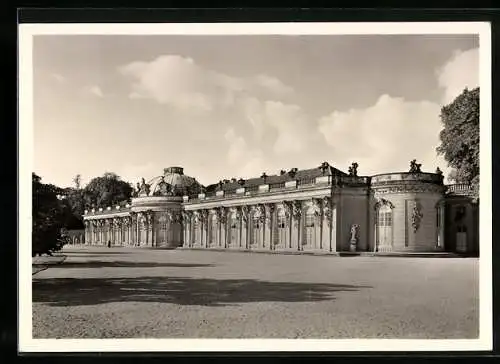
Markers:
point(281, 220)
point(281, 236)
point(310, 218)
point(384, 228)
point(384, 218)
point(234, 221)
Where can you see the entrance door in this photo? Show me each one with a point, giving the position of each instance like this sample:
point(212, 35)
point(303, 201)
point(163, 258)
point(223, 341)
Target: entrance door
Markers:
point(256, 233)
point(161, 237)
point(197, 233)
point(310, 230)
point(281, 230)
point(461, 239)
point(384, 229)
point(213, 231)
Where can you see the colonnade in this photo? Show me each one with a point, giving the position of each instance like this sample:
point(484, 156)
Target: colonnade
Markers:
point(299, 225)
point(147, 228)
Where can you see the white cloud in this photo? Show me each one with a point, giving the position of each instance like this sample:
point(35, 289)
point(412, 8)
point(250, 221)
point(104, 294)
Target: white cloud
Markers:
point(461, 71)
point(59, 78)
point(246, 161)
point(96, 91)
point(288, 121)
point(181, 82)
point(273, 84)
point(291, 124)
point(385, 136)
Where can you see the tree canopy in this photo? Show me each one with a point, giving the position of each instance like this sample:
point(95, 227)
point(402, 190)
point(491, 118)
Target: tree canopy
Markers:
point(460, 137)
point(48, 217)
point(108, 190)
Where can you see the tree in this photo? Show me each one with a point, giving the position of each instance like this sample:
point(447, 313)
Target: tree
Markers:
point(108, 190)
point(74, 205)
point(48, 218)
point(77, 180)
point(460, 137)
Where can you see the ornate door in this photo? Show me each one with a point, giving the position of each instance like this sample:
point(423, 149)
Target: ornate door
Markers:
point(256, 233)
point(311, 235)
point(233, 223)
point(384, 229)
point(282, 228)
point(461, 237)
point(214, 227)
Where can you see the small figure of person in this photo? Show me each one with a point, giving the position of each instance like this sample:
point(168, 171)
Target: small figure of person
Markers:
point(109, 243)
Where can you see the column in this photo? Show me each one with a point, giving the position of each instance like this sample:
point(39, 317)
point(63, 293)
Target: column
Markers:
point(204, 228)
point(332, 223)
point(244, 227)
point(86, 225)
point(287, 205)
point(137, 229)
point(296, 225)
point(441, 224)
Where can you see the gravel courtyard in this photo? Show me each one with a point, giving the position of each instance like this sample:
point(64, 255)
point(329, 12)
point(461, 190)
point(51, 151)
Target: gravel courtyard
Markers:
point(141, 293)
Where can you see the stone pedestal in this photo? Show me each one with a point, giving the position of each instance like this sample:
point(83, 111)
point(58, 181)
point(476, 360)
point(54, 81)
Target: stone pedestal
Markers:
point(353, 246)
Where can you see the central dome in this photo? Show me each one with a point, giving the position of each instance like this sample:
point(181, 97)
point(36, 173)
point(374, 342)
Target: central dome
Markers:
point(174, 182)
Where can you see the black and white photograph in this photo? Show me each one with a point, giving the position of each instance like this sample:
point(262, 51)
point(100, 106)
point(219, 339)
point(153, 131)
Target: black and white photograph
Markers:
point(252, 187)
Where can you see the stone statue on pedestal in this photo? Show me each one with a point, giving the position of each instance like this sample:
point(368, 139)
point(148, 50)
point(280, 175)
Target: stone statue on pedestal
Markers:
point(415, 167)
point(144, 188)
point(354, 237)
point(164, 189)
point(353, 170)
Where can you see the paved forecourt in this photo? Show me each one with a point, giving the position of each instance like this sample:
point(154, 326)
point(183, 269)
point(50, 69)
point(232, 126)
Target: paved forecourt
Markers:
point(141, 293)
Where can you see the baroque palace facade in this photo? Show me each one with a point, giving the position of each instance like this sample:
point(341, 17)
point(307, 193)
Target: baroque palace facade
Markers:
point(315, 210)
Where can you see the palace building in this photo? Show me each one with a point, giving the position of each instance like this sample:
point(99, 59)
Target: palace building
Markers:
point(321, 210)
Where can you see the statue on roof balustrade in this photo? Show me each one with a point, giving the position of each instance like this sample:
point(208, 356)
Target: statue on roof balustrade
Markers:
point(415, 167)
point(324, 167)
point(144, 188)
point(353, 169)
point(163, 189)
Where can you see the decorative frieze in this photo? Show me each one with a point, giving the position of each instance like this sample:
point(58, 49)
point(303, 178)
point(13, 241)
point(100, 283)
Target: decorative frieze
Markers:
point(410, 188)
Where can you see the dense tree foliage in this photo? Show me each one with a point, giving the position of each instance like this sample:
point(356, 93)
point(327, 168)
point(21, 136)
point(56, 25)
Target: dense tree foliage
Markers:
point(48, 218)
point(108, 190)
point(56, 209)
point(460, 137)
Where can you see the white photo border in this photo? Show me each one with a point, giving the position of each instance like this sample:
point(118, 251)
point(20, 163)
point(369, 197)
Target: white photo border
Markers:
point(25, 153)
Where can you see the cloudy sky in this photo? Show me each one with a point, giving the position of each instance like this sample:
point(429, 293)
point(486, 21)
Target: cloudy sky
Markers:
point(236, 106)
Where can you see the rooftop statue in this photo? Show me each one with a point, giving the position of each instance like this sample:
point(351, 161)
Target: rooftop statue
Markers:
point(415, 167)
point(439, 171)
point(164, 189)
point(324, 166)
point(144, 188)
point(137, 189)
point(353, 170)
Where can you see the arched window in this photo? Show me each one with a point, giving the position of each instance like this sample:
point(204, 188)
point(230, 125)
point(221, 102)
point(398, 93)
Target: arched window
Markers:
point(310, 217)
point(310, 237)
point(234, 220)
point(163, 222)
point(256, 218)
point(281, 218)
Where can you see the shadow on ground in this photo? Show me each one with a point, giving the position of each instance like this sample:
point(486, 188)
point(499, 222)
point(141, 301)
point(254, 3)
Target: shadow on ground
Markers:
point(97, 253)
point(179, 290)
point(125, 264)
